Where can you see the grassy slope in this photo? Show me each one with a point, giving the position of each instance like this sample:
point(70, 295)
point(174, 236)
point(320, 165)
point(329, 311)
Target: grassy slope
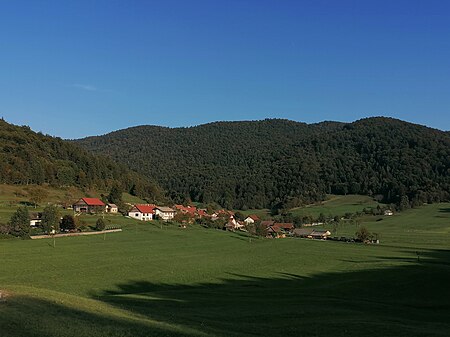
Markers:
point(13, 196)
point(152, 281)
point(337, 205)
point(334, 205)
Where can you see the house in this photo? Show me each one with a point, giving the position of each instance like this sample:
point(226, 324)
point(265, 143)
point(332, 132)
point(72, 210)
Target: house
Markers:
point(279, 230)
point(267, 223)
point(311, 233)
point(303, 232)
point(35, 219)
point(388, 212)
point(233, 224)
point(320, 234)
point(112, 208)
point(285, 227)
point(89, 205)
point(202, 213)
point(142, 212)
point(251, 219)
point(164, 213)
point(191, 211)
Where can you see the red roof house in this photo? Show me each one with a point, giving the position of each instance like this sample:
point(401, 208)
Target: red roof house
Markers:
point(89, 205)
point(142, 212)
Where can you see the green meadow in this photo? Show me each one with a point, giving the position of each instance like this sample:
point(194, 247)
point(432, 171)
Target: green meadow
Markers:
point(160, 280)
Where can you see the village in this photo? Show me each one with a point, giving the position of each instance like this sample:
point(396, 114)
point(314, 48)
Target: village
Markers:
point(188, 215)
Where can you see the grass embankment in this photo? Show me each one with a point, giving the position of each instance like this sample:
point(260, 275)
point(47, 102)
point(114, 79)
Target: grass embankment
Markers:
point(148, 281)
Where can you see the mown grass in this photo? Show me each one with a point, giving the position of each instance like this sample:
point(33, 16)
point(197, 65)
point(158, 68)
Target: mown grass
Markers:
point(337, 205)
point(153, 280)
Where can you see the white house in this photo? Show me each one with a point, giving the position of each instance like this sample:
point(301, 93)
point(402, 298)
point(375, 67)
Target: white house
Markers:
point(142, 212)
point(112, 208)
point(388, 212)
point(35, 219)
point(164, 213)
point(251, 219)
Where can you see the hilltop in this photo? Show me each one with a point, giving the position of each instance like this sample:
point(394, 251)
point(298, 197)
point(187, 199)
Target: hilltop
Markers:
point(283, 164)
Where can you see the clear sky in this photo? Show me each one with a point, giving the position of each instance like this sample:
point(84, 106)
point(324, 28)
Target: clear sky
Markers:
point(78, 68)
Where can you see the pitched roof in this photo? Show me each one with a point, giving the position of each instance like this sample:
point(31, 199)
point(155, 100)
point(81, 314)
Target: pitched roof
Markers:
point(93, 201)
point(283, 225)
point(253, 217)
point(112, 205)
point(303, 231)
point(145, 208)
point(164, 209)
point(267, 223)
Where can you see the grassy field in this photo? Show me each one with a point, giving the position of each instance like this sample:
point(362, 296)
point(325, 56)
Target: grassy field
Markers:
point(165, 281)
point(334, 205)
point(337, 205)
point(155, 279)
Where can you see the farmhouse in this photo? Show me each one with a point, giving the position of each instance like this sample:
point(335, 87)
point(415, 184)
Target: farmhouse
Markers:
point(311, 233)
point(164, 213)
point(320, 234)
point(280, 230)
point(89, 205)
point(112, 208)
point(142, 212)
point(285, 227)
point(251, 219)
point(388, 212)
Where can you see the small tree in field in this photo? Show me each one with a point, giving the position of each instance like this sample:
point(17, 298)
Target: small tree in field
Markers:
point(362, 234)
point(50, 219)
point(19, 224)
point(100, 224)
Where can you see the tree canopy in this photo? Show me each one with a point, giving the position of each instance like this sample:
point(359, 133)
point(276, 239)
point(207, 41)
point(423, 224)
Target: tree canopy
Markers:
point(283, 164)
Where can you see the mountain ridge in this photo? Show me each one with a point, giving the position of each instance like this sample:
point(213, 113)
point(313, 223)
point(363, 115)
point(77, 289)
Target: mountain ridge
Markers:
point(281, 163)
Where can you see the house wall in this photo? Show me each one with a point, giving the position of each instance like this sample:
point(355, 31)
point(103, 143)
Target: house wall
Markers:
point(165, 215)
point(141, 216)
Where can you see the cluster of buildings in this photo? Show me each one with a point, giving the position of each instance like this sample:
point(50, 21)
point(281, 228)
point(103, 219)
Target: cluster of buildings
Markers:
point(149, 212)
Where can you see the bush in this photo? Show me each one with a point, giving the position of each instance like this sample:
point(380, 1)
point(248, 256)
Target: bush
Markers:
point(363, 234)
point(69, 223)
point(100, 225)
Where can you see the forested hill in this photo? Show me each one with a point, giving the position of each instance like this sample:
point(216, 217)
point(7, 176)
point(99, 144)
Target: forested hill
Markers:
point(283, 163)
point(28, 157)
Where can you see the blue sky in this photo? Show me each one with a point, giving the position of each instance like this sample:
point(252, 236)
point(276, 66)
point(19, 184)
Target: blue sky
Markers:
point(79, 68)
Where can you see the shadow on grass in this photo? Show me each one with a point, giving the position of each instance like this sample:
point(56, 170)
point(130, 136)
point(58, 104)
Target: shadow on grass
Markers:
point(412, 299)
point(444, 210)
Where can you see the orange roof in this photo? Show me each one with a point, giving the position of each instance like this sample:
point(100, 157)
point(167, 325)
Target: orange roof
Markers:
point(253, 217)
point(145, 208)
point(93, 202)
point(286, 226)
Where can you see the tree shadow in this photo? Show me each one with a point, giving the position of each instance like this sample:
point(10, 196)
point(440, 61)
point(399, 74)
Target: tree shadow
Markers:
point(444, 210)
point(410, 299)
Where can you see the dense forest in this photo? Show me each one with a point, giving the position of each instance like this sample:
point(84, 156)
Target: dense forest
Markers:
point(28, 157)
point(280, 163)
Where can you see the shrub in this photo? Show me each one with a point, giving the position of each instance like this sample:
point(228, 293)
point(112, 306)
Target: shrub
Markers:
point(100, 224)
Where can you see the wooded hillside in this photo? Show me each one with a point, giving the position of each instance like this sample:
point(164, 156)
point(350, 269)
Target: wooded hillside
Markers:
point(281, 163)
point(28, 157)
